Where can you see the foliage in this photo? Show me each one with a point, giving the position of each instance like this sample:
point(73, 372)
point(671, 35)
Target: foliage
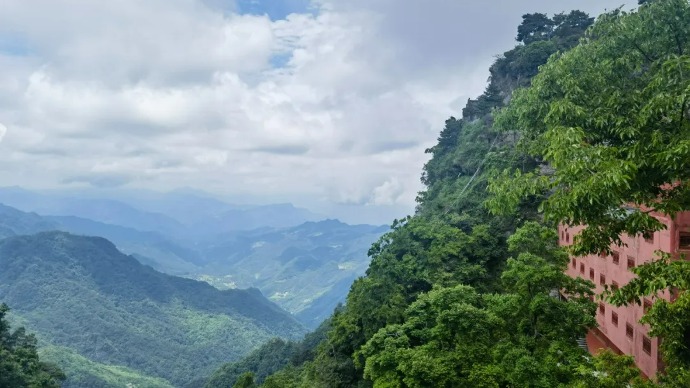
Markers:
point(83, 372)
point(19, 362)
point(609, 370)
point(449, 299)
point(81, 293)
point(453, 337)
point(269, 358)
point(611, 118)
point(610, 121)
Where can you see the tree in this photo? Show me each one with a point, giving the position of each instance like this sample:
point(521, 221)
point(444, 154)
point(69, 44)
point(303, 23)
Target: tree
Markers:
point(456, 337)
point(246, 380)
point(610, 121)
point(534, 27)
point(611, 117)
point(19, 362)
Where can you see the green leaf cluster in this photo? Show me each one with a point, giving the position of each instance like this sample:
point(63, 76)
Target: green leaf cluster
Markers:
point(19, 362)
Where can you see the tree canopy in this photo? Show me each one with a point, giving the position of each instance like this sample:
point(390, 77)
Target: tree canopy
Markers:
point(609, 123)
point(19, 362)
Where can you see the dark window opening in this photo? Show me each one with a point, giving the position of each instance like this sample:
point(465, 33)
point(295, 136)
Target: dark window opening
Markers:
point(602, 279)
point(646, 345)
point(614, 285)
point(591, 274)
point(582, 268)
point(629, 331)
point(684, 240)
point(616, 257)
point(574, 262)
point(602, 309)
point(614, 318)
point(647, 304)
point(631, 262)
point(567, 237)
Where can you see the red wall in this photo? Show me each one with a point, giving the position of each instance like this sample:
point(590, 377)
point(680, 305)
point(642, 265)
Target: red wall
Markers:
point(639, 251)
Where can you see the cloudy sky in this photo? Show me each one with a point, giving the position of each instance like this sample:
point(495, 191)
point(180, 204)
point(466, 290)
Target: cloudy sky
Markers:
point(325, 103)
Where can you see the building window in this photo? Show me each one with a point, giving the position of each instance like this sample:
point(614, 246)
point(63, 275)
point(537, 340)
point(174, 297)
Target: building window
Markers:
point(646, 345)
point(614, 285)
point(631, 262)
point(567, 237)
point(646, 305)
point(649, 238)
point(602, 279)
point(616, 257)
point(582, 268)
point(602, 309)
point(574, 262)
point(614, 318)
point(591, 274)
point(629, 330)
point(684, 241)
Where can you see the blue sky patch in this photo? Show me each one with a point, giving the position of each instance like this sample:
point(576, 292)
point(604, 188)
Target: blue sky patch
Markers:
point(14, 45)
point(275, 9)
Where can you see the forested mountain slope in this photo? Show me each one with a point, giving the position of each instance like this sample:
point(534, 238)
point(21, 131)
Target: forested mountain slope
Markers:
point(456, 296)
point(307, 269)
point(82, 293)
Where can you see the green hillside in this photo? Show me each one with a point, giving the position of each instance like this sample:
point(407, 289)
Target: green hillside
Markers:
point(82, 293)
point(458, 296)
point(85, 373)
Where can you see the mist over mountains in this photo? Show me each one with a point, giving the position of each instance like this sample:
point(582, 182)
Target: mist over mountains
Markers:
point(298, 259)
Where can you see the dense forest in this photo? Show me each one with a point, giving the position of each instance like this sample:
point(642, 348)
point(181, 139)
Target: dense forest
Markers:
point(578, 120)
point(106, 319)
point(583, 122)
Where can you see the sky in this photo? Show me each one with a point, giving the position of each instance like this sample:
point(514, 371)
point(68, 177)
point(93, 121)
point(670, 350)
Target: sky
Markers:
point(328, 104)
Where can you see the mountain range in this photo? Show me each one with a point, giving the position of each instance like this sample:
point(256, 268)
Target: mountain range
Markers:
point(93, 278)
point(305, 266)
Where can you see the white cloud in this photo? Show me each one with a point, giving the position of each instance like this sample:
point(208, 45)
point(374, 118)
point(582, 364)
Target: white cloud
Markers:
point(169, 93)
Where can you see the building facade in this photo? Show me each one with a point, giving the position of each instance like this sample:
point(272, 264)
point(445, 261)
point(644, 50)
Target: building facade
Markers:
point(619, 327)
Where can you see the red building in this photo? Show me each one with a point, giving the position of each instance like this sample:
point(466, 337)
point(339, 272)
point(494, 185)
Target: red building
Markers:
point(619, 327)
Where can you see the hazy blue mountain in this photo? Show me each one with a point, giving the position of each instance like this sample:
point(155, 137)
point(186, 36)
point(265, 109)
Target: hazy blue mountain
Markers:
point(15, 222)
point(82, 293)
point(150, 248)
point(307, 269)
point(108, 211)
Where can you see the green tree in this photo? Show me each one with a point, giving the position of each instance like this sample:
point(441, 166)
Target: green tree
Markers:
point(611, 118)
point(534, 27)
point(19, 362)
point(454, 336)
point(610, 121)
point(246, 380)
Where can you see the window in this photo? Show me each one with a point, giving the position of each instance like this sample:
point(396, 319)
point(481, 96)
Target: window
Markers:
point(646, 345)
point(574, 262)
point(684, 240)
point(614, 318)
point(629, 331)
point(631, 262)
point(614, 285)
point(646, 305)
point(602, 309)
point(591, 274)
point(567, 237)
point(616, 257)
point(602, 279)
point(582, 268)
